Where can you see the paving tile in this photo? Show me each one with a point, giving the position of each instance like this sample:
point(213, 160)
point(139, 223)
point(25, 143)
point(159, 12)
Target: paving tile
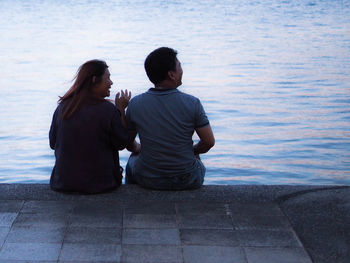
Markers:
point(36, 234)
point(280, 255)
point(149, 221)
point(151, 236)
point(151, 254)
point(96, 220)
point(98, 207)
point(210, 254)
point(150, 207)
point(10, 206)
point(205, 221)
point(267, 238)
point(63, 207)
point(269, 209)
point(7, 219)
point(90, 252)
point(249, 221)
point(210, 237)
point(29, 251)
point(202, 208)
point(93, 235)
point(41, 219)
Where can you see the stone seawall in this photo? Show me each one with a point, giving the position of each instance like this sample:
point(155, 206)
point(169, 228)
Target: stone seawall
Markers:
point(245, 223)
point(219, 193)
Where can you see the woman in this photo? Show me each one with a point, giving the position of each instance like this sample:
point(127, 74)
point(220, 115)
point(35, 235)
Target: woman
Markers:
point(86, 133)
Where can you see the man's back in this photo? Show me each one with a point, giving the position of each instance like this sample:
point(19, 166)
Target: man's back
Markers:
point(165, 121)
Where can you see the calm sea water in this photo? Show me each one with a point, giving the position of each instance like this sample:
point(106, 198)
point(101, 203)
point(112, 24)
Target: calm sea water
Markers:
point(273, 76)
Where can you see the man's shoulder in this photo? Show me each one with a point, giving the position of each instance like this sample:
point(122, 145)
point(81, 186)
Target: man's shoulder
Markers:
point(188, 97)
point(174, 95)
point(137, 102)
point(137, 98)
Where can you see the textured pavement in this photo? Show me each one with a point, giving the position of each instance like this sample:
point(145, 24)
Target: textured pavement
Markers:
point(212, 224)
point(322, 221)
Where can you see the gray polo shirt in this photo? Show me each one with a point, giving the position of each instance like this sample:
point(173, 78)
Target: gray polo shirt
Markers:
point(165, 121)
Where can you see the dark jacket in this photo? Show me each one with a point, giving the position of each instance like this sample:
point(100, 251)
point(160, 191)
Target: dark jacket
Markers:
point(86, 148)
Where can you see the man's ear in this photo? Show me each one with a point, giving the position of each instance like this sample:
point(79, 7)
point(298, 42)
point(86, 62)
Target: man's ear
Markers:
point(94, 79)
point(171, 75)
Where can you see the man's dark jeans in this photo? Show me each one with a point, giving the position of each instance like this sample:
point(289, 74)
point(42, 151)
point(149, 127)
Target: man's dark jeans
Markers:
point(192, 180)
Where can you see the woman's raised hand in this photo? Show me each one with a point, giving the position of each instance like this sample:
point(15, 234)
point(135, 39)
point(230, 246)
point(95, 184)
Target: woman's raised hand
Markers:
point(122, 99)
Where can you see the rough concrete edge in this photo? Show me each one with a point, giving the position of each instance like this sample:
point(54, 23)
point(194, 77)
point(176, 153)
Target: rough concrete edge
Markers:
point(285, 206)
point(286, 197)
point(213, 193)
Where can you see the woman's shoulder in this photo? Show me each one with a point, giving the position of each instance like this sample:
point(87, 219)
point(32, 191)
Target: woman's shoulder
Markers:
point(98, 107)
point(99, 103)
point(107, 106)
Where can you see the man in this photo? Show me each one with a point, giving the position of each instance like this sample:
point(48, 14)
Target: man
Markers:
point(165, 120)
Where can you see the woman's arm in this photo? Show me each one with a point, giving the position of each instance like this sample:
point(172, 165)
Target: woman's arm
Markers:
point(133, 145)
point(121, 102)
point(52, 132)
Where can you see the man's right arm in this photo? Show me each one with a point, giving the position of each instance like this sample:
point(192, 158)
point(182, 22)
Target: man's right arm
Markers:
point(206, 141)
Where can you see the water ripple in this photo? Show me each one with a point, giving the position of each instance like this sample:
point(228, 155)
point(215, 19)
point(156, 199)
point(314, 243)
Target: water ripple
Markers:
point(273, 77)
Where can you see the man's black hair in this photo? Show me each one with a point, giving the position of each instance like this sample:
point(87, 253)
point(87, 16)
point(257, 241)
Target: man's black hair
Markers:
point(159, 62)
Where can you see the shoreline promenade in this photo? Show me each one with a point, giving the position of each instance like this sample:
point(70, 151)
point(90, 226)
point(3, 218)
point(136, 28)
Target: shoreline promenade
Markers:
point(243, 223)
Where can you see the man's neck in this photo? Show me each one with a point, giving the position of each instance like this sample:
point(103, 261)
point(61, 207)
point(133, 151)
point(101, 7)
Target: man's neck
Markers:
point(165, 85)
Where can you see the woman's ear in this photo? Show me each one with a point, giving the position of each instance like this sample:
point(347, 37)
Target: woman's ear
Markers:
point(94, 79)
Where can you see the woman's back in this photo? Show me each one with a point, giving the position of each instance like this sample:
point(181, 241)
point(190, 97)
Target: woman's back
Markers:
point(86, 148)
point(86, 133)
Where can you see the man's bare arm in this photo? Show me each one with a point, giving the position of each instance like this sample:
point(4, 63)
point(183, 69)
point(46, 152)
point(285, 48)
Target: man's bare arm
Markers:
point(206, 141)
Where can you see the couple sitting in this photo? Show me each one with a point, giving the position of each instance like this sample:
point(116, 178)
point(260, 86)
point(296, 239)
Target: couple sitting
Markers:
point(87, 131)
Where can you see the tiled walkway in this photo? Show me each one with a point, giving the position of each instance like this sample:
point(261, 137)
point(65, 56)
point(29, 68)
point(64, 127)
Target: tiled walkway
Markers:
point(146, 231)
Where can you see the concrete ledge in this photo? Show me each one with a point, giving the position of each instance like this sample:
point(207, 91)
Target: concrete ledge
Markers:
point(218, 193)
point(247, 223)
